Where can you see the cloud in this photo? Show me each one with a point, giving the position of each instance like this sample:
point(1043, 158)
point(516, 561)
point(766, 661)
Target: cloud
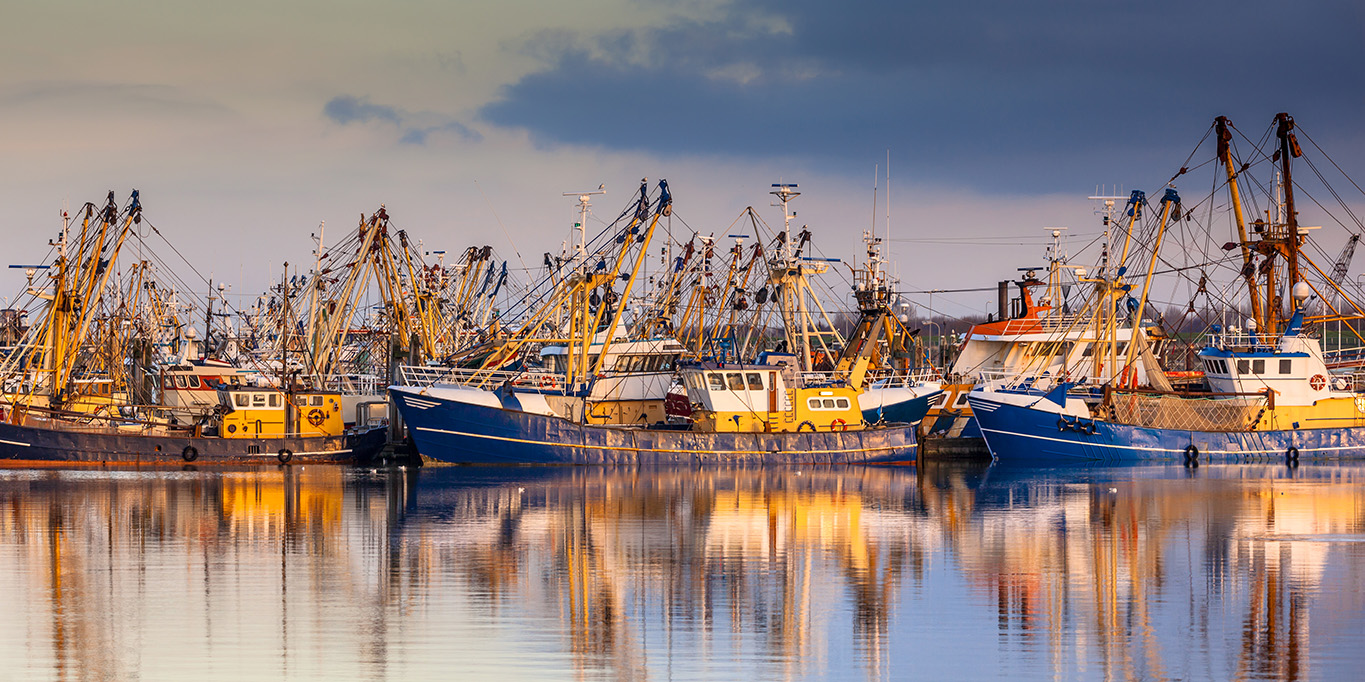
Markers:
point(1002, 94)
point(414, 128)
point(346, 109)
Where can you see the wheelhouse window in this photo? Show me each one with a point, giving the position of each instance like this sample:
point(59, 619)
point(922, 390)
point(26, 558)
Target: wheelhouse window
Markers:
point(1244, 367)
point(736, 381)
point(715, 381)
point(1286, 366)
point(241, 400)
point(755, 381)
point(194, 381)
point(1258, 366)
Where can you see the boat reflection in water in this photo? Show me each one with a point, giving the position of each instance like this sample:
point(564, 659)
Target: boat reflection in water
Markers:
point(712, 573)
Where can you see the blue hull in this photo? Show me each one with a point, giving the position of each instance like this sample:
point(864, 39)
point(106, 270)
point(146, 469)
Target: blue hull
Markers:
point(1024, 435)
point(465, 433)
point(906, 412)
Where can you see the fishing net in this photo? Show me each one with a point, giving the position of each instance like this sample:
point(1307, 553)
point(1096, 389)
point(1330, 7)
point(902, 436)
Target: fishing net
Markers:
point(1187, 414)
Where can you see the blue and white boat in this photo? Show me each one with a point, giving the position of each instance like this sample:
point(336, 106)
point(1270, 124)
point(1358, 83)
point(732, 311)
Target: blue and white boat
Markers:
point(1270, 394)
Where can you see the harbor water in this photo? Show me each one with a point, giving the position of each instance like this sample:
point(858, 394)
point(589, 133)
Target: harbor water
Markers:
point(952, 571)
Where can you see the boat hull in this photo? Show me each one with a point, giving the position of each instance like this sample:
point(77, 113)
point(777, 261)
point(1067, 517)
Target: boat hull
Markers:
point(466, 433)
point(903, 405)
point(21, 445)
point(1018, 434)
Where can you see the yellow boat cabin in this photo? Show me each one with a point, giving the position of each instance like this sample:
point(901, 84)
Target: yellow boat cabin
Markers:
point(269, 413)
point(760, 398)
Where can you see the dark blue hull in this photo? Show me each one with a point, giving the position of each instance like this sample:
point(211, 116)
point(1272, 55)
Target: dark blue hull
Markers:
point(29, 445)
point(465, 433)
point(1035, 437)
point(905, 412)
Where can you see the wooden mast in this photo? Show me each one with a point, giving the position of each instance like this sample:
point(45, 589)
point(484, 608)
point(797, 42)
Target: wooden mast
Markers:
point(1248, 262)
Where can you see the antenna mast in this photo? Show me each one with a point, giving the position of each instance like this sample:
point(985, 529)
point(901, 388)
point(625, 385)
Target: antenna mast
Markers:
point(583, 204)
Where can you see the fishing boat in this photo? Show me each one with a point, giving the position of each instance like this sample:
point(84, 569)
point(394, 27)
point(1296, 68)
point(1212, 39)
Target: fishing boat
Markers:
point(743, 414)
point(1036, 334)
point(753, 412)
point(253, 426)
point(1269, 393)
point(73, 381)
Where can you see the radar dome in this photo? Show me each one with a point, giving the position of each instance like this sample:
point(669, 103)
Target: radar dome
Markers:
point(1302, 291)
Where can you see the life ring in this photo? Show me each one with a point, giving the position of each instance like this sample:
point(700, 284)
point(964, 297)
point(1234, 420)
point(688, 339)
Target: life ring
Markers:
point(1292, 454)
point(1318, 382)
point(804, 424)
point(838, 425)
point(285, 455)
point(189, 454)
point(316, 417)
point(1191, 455)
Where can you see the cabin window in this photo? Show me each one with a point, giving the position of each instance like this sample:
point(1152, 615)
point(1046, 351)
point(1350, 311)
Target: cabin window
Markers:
point(813, 403)
point(258, 400)
point(1286, 366)
point(317, 401)
point(274, 400)
point(668, 362)
point(715, 381)
point(301, 400)
point(755, 381)
point(961, 399)
point(842, 403)
point(828, 403)
point(179, 381)
point(1243, 366)
point(241, 400)
point(1258, 366)
point(1208, 367)
point(1223, 367)
point(736, 381)
point(167, 382)
point(194, 381)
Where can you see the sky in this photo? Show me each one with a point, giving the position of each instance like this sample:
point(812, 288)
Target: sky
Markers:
point(246, 125)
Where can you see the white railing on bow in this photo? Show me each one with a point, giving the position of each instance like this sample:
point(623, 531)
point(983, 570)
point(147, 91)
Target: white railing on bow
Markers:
point(416, 375)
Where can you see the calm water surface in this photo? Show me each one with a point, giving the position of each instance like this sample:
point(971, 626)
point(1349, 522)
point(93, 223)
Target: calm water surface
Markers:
point(1233, 572)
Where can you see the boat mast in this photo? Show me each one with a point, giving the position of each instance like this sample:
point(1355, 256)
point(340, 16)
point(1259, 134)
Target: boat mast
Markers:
point(1248, 264)
point(583, 205)
point(1289, 147)
point(1168, 202)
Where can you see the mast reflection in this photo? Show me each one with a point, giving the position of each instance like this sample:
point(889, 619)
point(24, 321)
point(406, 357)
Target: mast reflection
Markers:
point(715, 572)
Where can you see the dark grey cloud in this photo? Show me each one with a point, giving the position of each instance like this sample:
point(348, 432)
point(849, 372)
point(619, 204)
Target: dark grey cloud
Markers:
point(345, 109)
point(1002, 93)
point(413, 128)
